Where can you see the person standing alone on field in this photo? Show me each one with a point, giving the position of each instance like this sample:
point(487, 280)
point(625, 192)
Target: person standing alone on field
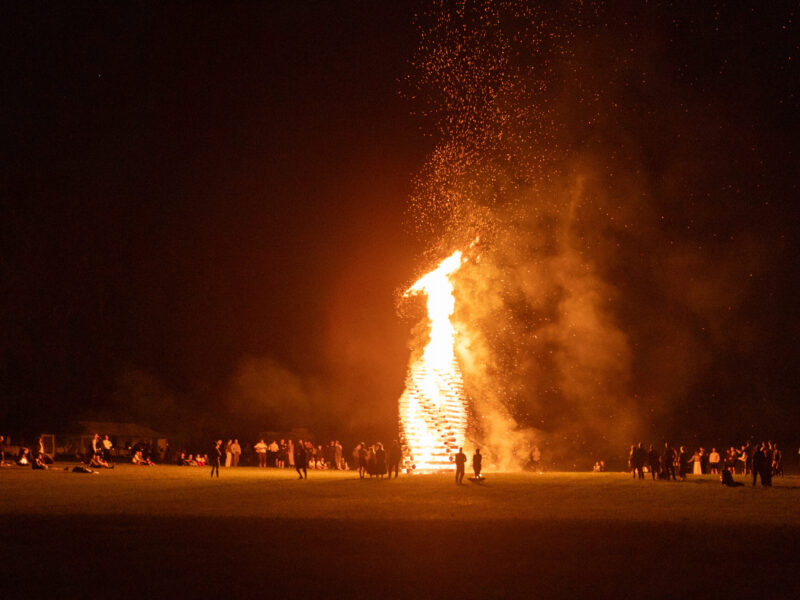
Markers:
point(461, 461)
point(216, 458)
point(300, 460)
point(477, 460)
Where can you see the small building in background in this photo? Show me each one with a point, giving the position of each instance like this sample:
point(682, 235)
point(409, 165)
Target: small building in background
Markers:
point(123, 437)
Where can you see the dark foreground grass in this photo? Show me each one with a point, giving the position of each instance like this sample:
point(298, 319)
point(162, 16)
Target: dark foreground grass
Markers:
point(169, 532)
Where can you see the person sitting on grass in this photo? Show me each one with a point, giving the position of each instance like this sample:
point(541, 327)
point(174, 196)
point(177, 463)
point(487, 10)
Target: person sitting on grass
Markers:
point(190, 461)
point(727, 479)
point(24, 457)
point(98, 462)
point(39, 462)
point(200, 460)
point(138, 459)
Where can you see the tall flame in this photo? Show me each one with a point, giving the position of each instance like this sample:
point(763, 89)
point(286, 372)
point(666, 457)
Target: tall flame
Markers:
point(433, 416)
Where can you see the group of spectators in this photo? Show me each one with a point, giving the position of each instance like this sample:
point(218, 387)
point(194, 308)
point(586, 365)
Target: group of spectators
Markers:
point(101, 453)
point(763, 460)
point(24, 457)
point(369, 460)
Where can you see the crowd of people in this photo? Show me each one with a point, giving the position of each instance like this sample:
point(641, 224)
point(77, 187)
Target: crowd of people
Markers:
point(761, 460)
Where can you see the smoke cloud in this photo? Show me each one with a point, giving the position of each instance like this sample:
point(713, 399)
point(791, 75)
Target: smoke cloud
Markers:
point(593, 156)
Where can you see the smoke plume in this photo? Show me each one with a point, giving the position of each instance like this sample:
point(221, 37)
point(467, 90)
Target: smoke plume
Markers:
point(577, 146)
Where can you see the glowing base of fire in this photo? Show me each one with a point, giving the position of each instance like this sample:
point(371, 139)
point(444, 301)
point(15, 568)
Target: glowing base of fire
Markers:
point(433, 425)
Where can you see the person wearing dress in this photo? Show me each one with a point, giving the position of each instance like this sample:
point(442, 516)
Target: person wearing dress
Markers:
point(697, 469)
point(380, 461)
point(228, 453)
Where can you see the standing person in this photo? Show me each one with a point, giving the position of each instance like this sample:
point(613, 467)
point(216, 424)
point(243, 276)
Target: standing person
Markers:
point(461, 461)
point(777, 462)
point(362, 459)
point(228, 453)
point(395, 456)
point(273, 453)
point(2, 450)
point(713, 461)
point(639, 457)
point(683, 463)
point(766, 465)
point(107, 446)
point(477, 461)
point(337, 455)
point(290, 453)
point(216, 458)
point(668, 462)
point(282, 455)
point(380, 461)
point(759, 459)
point(704, 461)
point(261, 451)
point(330, 454)
point(652, 461)
point(697, 468)
point(236, 450)
point(300, 459)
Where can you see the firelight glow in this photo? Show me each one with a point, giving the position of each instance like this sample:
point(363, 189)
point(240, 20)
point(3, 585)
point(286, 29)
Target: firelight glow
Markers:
point(433, 415)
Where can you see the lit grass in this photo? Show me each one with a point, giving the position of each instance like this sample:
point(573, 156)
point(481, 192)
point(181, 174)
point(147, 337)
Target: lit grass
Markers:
point(170, 531)
point(186, 491)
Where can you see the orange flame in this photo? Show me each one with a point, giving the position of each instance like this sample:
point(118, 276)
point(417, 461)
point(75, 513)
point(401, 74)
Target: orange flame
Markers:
point(433, 416)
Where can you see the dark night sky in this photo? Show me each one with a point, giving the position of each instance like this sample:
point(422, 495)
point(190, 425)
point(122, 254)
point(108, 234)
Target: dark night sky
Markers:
point(187, 187)
point(184, 187)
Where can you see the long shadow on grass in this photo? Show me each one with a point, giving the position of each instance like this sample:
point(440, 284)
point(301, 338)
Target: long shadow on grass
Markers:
point(245, 558)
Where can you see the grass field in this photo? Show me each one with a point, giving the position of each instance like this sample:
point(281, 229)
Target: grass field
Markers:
point(172, 532)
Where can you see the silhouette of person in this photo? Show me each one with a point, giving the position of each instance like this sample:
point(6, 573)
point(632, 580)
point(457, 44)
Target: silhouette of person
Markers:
point(461, 461)
point(683, 463)
point(362, 460)
point(380, 461)
point(477, 459)
point(639, 456)
point(395, 456)
point(668, 462)
point(301, 460)
point(727, 479)
point(652, 461)
point(216, 458)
